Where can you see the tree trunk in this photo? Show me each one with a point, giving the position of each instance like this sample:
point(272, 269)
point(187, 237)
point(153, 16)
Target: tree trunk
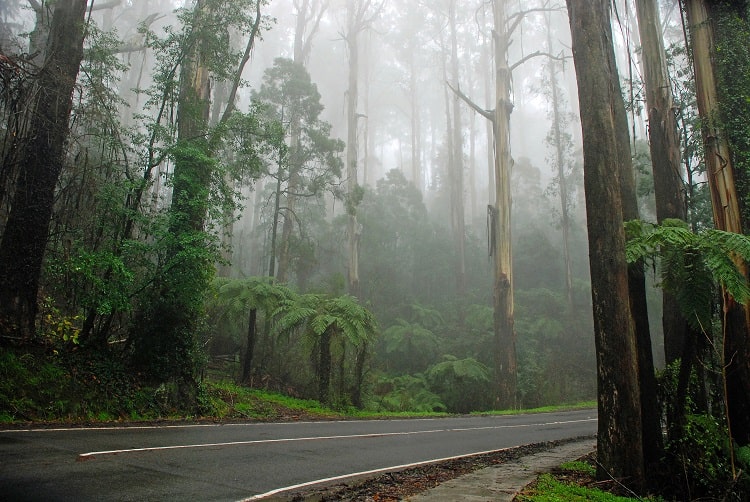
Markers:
point(619, 444)
point(165, 342)
point(359, 376)
point(247, 363)
point(42, 155)
point(456, 167)
point(560, 164)
point(500, 236)
point(664, 143)
point(726, 211)
point(353, 227)
point(324, 367)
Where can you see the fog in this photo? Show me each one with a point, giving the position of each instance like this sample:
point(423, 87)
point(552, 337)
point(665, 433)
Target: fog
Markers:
point(420, 226)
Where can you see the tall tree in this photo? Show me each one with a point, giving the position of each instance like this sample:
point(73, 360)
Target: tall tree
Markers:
point(165, 341)
point(619, 443)
point(360, 15)
point(456, 164)
point(310, 162)
point(309, 14)
point(702, 17)
point(560, 141)
point(42, 155)
point(664, 143)
point(164, 347)
point(499, 213)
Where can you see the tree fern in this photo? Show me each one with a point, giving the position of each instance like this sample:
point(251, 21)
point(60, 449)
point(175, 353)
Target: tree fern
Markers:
point(692, 265)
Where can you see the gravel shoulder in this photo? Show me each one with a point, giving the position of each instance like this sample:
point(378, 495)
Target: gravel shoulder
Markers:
point(496, 476)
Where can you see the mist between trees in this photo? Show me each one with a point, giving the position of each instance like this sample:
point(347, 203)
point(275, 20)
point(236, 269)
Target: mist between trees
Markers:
point(385, 204)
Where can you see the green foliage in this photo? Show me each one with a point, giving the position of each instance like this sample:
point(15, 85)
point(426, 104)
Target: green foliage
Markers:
point(702, 452)
point(407, 393)
point(462, 384)
point(408, 347)
point(692, 264)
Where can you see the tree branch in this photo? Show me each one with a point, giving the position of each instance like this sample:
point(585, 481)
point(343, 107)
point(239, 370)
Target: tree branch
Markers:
point(488, 114)
point(245, 58)
point(534, 55)
point(515, 19)
point(106, 5)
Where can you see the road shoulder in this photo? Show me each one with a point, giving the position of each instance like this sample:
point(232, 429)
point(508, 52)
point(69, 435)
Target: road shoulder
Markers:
point(503, 481)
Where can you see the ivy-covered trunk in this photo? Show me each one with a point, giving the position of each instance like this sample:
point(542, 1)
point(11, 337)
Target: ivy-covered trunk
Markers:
point(733, 58)
point(724, 120)
point(165, 344)
point(41, 154)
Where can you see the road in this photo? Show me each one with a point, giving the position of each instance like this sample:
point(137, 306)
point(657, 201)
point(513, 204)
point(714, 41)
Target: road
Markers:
point(239, 461)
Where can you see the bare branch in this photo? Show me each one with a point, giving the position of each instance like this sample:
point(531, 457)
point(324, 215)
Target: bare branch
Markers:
point(515, 19)
point(534, 55)
point(245, 58)
point(488, 114)
point(106, 5)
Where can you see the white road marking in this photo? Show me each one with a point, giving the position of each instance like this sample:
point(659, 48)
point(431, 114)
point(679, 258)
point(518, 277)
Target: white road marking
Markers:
point(90, 455)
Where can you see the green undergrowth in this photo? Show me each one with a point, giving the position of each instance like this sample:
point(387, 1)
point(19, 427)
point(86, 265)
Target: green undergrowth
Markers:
point(549, 489)
point(572, 482)
point(543, 409)
point(576, 481)
point(51, 386)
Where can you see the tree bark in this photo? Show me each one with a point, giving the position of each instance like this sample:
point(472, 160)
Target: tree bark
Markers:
point(324, 366)
point(664, 143)
point(726, 212)
point(247, 363)
point(560, 164)
point(619, 439)
point(42, 153)
point(500, 237)
point(355, 14)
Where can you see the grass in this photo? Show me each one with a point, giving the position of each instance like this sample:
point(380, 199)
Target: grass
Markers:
point(549, 489)
point(543, 409)
point(573, 481)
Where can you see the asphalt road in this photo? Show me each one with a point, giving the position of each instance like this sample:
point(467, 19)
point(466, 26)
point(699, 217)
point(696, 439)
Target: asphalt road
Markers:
point(239, 461)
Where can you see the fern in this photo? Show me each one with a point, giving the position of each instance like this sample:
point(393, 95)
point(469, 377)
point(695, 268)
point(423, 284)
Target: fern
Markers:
point(692, 265)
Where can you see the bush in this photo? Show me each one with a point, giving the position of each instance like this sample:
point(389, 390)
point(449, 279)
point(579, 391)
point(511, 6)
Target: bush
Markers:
point(702, 460)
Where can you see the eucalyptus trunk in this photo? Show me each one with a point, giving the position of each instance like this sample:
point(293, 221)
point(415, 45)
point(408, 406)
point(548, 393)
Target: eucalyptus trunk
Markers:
point(456, 166)
point(353, 227)
point(726, 211)
point(500, 221)
point(619, 438)
point(165, 340)
point(664, 144)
